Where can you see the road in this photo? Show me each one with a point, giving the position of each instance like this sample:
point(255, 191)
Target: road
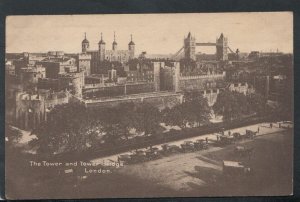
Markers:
point(264, 128)
point(199, 173)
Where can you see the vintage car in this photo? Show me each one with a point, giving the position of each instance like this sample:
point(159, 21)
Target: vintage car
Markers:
point(152, 153)
point(243, 151)
point(167, 149)
point(138, 156)
point(225, 140)
point(200, 144)
point(187, 146)
point(125, 158)
point(237, 136)
point(234, 168)
point(250, 134)
point(239, 148)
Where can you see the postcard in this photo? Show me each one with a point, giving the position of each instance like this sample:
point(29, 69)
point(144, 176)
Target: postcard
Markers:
point(149, 105)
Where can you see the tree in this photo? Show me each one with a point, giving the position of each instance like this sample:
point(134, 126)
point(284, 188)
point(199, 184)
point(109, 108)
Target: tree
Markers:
point(120, 121)
point(195, 108)
point(231, 105)
point(148, 118)
point(128, 118)
point(174, 116)
point(68, 128)
point(12, 135)
point(257, 103)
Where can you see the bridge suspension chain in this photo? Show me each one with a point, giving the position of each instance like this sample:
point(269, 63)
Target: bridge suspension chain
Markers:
point(177, 53)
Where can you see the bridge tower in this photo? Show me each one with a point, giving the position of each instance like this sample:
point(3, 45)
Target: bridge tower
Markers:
point(222, 48)
point(190, 47)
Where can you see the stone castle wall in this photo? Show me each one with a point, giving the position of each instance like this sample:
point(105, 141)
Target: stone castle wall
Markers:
point(186, 83)
point(119, 90)
point(160, 100)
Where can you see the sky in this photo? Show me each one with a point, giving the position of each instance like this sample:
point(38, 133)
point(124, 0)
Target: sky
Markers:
point(153, 33)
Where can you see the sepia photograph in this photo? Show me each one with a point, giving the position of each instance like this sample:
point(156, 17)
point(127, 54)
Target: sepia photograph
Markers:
point(149, 105)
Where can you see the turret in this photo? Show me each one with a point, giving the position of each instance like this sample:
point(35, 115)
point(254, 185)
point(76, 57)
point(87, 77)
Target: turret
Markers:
point(237, 53)
point(85, 45)
point(101, 45)
point(114, 44)
point(131, 47)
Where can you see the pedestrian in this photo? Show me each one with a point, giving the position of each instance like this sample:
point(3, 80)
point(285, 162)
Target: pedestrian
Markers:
point(258, 129)
point(206, 140)
point(271, 125)
point(279, 125)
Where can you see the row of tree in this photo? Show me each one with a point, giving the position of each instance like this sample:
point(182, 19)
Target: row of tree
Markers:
point(233, 105)
point(194, 111)
point(72, 127)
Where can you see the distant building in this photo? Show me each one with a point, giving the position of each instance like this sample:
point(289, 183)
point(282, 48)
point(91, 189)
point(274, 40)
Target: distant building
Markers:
point(30, 75)
point(112, 75)
point(140, 70)
point(73, 82)
point(58, 65)
point(254, 55)
point(84, 63)
point(242, 87)
point(10, 68)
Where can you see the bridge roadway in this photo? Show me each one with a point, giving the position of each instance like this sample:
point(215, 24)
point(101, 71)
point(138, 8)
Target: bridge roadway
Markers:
point(264, 129)
point(206, 44)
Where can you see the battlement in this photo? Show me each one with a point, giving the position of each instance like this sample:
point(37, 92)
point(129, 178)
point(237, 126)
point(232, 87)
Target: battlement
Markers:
point(84, 56)
point(207, 76)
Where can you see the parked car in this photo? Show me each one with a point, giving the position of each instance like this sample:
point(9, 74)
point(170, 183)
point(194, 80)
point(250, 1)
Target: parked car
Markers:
point(170, 148)
point(234, 168)
point(250, 134)
point(237, 136)
point(152, 153)
point(138, 156)
point(200, 144)
point(125, 158)
point(243, 151)
point(226, 140)
point(188, 146)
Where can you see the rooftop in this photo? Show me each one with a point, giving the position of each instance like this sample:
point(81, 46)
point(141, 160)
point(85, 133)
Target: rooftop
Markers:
point(56, 59)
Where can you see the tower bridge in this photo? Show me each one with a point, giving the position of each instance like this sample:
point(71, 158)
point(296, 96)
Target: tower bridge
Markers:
point(189, 47)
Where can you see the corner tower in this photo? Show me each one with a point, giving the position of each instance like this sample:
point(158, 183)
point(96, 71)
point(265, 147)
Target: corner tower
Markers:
point(114, 44)
point(101, 45)
point(85, 45)
point(131, 47)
